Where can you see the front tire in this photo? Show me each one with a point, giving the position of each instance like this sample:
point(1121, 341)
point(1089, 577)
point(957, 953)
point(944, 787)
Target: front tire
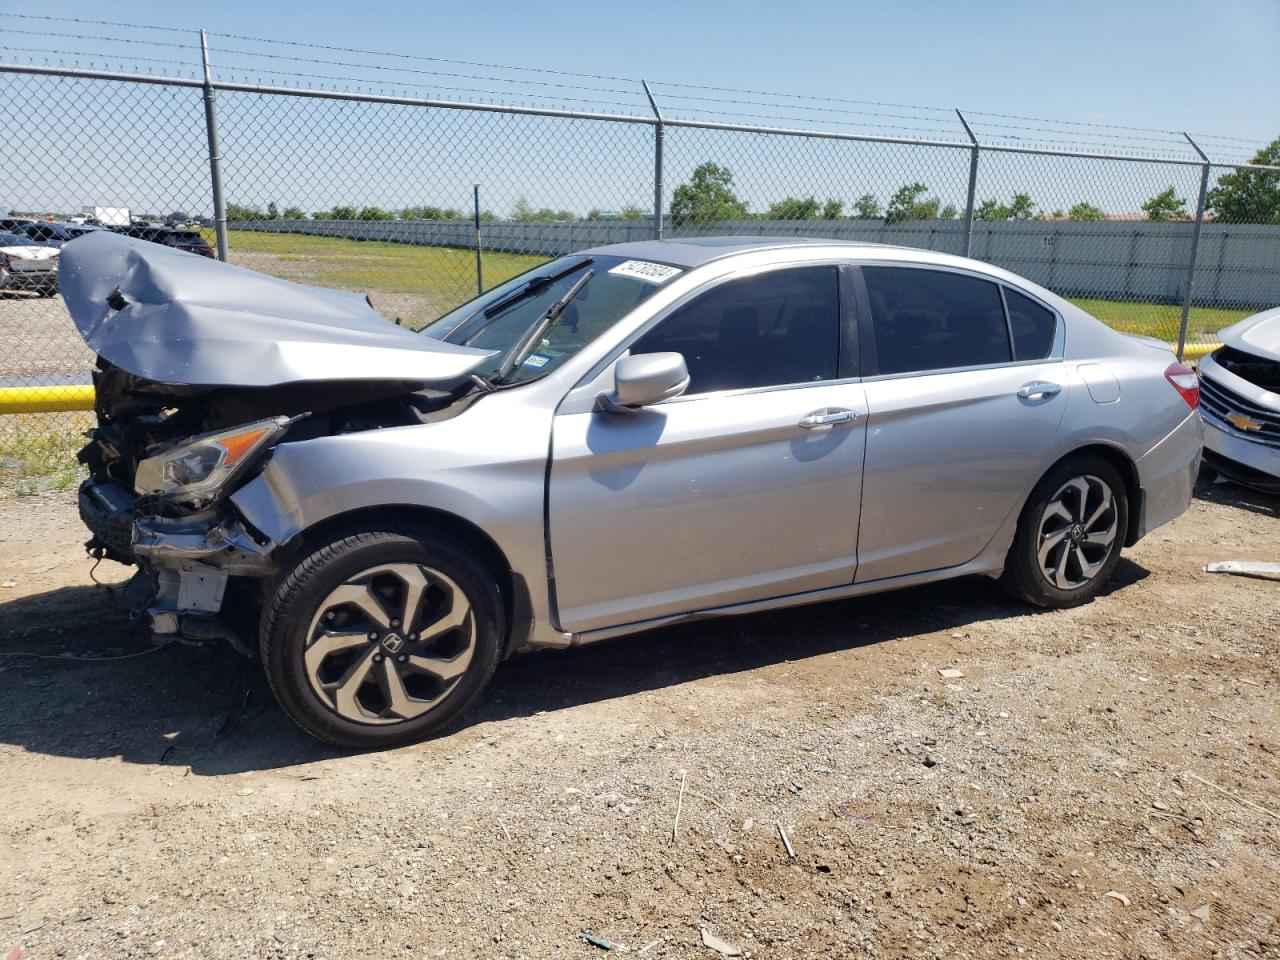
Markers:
point(1069, 535)
point(381, 636)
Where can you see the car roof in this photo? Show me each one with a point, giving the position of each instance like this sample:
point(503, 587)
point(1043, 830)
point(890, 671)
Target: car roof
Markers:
point(690, 252)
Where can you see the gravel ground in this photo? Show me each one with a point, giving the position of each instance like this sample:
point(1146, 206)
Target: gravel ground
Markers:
point(41, 344)
point(1101, 782)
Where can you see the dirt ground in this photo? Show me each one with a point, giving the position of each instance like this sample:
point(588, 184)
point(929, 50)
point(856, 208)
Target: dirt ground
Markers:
point(1102, 782)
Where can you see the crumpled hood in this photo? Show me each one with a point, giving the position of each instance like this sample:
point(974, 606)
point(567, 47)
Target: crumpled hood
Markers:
point(187, 319)
point(1258, 334)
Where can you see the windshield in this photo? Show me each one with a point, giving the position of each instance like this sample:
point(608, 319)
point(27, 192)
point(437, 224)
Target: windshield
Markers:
point(616, 286)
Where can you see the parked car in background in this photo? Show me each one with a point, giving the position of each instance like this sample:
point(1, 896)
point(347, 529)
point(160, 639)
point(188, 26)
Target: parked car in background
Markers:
point(56, 233)
point(187, 240)
point(625, 437)
point(28, 265)
point(1240, 400)
point(14, 224)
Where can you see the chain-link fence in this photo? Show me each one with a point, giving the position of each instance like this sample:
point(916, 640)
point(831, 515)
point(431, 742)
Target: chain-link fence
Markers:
point(420, 202)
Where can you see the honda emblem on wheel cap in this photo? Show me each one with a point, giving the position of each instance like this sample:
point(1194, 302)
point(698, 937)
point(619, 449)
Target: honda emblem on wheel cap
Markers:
point(392, 642)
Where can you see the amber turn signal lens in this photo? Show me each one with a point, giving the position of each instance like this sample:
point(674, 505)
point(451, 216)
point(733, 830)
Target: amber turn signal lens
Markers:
point(240, 444)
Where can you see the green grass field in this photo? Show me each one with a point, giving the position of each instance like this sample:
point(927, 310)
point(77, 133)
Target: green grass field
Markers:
point(38, 451)
point(1160, 319)
point(390, 267)
point(444, 277)
point(417, 283)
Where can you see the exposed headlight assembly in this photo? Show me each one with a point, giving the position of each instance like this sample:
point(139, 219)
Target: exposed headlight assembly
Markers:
point(202, 466)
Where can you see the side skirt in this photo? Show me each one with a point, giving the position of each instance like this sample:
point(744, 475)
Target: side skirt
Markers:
point(980, 565)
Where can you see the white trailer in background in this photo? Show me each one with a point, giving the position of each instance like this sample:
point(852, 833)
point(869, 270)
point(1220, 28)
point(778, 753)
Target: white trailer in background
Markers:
point(109, 216)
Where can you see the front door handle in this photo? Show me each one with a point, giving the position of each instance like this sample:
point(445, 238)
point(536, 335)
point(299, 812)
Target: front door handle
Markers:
point(1039, 390)
point(827, 418)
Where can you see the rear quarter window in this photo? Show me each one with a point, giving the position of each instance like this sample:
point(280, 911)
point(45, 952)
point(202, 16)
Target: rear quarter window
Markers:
point(1033, 326)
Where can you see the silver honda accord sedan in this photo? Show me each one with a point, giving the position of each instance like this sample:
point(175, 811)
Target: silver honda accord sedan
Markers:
point(629, 436)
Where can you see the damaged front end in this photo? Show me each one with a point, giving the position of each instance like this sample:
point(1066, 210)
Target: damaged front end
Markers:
point(203, 369)
point(163, 461)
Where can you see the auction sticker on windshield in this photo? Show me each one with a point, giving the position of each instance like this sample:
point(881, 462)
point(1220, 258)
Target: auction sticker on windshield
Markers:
point(644, 270)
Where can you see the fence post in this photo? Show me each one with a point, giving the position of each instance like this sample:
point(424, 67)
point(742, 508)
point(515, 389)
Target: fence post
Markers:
point(1195, 248)
point(479, 264)
point(973, 185)
point(215, 153)
point(659, 132)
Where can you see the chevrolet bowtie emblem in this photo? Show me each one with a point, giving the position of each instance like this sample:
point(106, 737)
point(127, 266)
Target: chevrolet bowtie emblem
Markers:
point(1243, 421)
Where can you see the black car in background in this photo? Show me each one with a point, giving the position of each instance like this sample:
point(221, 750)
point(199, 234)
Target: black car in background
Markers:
point(55, 233)
point(187, 240)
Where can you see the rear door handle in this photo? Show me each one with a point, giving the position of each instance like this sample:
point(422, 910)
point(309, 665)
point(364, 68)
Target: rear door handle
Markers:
point(827, 418)
point(1039, 390)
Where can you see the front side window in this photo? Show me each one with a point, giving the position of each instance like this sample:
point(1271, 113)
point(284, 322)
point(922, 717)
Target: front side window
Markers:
point(773, 329)
point(934, 320)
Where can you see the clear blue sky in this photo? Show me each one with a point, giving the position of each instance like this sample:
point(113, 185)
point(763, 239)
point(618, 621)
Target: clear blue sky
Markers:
point(1208, 66)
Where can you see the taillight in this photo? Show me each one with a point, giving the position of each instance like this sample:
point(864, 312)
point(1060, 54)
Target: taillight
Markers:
point(1184, 380)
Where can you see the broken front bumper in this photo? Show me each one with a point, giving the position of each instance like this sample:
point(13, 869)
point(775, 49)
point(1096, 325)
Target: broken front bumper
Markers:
point(187, 559)
point(1241, 457)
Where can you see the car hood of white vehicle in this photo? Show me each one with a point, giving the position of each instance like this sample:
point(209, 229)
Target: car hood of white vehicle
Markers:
point(1258, 334)
point(175, 317)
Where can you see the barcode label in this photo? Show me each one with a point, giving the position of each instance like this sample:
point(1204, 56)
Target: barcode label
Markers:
point(644, 270)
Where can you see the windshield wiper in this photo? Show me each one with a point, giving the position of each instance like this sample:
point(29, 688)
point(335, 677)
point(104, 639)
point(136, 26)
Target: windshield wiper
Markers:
point(475, 323)
point(519, 351)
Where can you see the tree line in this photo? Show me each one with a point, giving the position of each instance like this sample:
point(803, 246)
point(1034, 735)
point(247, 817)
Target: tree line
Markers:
point(522, 212)
point(1242, 196)
point(1245, 196)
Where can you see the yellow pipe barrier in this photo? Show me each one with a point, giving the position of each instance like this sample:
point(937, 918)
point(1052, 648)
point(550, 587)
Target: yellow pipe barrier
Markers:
point(1194, 351)
point(46, 399)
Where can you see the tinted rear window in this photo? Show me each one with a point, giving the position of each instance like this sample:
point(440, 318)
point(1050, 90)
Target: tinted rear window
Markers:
point(934, 320)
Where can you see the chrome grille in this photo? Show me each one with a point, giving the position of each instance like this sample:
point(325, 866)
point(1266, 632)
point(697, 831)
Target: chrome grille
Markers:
point(1220, 402)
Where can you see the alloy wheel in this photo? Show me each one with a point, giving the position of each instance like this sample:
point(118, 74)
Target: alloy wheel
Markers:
point(390, 643)
point(1078, 530)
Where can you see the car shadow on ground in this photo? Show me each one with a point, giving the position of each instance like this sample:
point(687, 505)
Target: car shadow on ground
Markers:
point(210, 710)
point(1221, 490)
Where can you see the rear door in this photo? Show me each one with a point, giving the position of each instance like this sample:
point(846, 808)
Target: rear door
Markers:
point(965, 390)
point(745, 487)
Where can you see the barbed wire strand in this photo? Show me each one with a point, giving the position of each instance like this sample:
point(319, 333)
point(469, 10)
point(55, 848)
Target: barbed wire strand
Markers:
point(1095, 125)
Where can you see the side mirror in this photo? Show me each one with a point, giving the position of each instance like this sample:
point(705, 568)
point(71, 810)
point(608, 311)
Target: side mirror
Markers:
point(645, 379)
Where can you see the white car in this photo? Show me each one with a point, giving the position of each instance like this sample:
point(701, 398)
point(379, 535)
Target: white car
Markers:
point(28, 265)
point(1240, 402)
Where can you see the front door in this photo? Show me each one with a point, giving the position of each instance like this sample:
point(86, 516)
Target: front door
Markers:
point(746, 487)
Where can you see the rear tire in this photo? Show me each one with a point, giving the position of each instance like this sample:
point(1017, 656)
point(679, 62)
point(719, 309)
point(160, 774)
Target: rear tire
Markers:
point(1070, 534)
point(382, 636)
